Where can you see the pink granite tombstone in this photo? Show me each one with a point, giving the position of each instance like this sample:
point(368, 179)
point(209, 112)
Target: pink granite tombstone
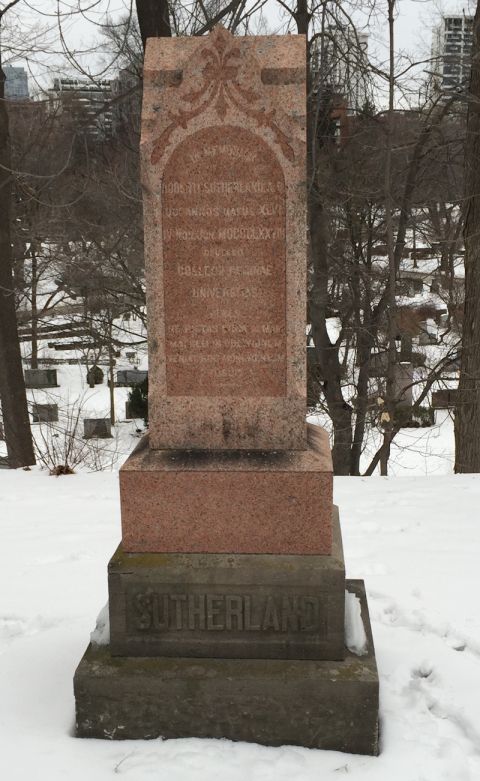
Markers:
point(223, 171)
point(227, 593)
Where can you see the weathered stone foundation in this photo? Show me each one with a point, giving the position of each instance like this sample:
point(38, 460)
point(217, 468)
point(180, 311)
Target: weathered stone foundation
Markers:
point(319, 704)
point(228, 605)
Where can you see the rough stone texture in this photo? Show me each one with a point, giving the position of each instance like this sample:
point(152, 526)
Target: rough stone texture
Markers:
point(223, 170)
point(227, 510)
point(228, 605)
point(41, 378)
point(207, 502)
point(318, 704)
point(45, 413)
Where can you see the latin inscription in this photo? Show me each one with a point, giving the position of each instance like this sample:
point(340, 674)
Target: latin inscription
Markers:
point(223, 231)
point(155, 612)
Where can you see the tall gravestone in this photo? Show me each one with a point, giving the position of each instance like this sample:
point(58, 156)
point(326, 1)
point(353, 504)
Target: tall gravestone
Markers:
point(227, 593)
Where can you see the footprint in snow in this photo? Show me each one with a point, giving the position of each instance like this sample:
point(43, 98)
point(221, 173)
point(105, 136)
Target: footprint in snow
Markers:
point(15, 627)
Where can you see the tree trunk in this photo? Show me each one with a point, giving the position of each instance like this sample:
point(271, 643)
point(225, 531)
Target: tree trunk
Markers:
point(153, 19)
point(392, 260)
point(34, 356)
point(467, 414)
point(12, 385)
point(364, 351)
point(111, 364)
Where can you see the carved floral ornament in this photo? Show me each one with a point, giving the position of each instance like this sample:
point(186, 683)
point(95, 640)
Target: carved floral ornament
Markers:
point(222, 88)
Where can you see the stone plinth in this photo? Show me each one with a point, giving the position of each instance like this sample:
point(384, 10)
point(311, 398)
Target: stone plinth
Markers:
point(446, 398)
point(223, 169)
point(228, 605)
point(205, 502)
point(319, 704)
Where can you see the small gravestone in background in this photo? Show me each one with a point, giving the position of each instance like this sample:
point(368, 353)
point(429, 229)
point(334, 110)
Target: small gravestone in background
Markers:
point(128, 377)
point(97, 428)
point(95, 376)
point(403, 384)
point(41, 378)
point(227, 593)
point(446, 398)
point(45, 413)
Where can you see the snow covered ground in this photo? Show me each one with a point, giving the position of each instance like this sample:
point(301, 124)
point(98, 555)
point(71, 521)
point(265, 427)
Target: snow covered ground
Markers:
point(415, 540)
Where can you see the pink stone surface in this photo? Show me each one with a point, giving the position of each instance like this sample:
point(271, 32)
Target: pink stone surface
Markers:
point(206, 502)
point(224, 309)
point(223, 171)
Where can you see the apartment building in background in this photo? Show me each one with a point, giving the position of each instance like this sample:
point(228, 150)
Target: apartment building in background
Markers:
point(87, 103)
point(16, 82)
point(451, 54)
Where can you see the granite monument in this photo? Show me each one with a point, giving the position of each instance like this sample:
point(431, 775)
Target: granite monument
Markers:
point(227, 592)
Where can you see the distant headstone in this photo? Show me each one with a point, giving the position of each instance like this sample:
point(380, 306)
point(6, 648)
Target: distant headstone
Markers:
point(45, 413)
point(403, 388)
point(99, 428)
point(446, 398)
point(129, 377)
point(131, 413)
point(95, 376)
point(41, 378)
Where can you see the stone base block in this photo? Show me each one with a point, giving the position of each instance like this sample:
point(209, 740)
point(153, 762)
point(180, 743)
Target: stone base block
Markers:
point(317, 704)
point(193, 501)
point(228, 605)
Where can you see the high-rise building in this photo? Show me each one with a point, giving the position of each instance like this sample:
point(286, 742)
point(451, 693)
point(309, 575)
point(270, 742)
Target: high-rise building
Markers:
point(452, 53)
point(16, 82)
point(88, 103)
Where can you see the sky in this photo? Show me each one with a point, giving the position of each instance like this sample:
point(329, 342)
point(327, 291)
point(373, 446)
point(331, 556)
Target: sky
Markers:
point(64, 36)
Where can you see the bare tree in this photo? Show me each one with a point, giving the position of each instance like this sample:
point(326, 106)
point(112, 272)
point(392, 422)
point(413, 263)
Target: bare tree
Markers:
point(12, 385)
point(467, 414)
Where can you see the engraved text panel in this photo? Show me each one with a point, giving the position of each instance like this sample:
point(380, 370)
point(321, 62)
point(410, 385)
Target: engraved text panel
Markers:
point(223, 227)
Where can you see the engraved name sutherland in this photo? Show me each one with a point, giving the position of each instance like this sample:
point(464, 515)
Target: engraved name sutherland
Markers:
point(155, 612)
